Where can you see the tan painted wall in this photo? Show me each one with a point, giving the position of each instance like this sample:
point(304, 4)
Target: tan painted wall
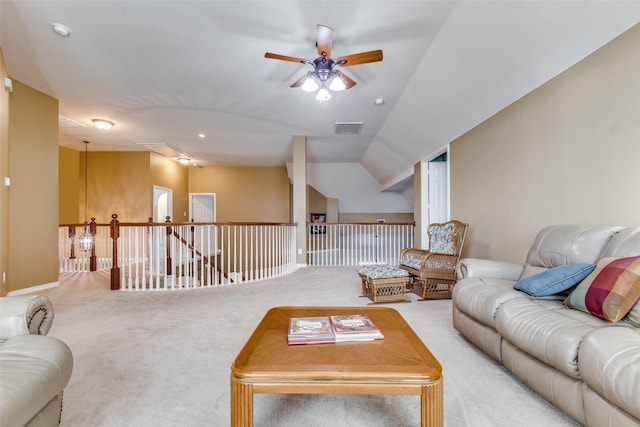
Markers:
point(4, 171)
point(168, 173)
point(120, 183)
point(566, 153)
point(69, 185)
point(33, 195)
point(245, 194)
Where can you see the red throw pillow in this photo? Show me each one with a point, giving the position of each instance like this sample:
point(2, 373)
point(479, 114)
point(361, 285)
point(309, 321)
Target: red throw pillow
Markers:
point(610, 291)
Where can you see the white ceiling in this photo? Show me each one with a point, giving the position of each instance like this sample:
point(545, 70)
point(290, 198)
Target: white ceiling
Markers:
point(164, 71)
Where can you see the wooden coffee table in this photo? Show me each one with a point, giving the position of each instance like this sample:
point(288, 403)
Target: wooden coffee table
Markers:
point(398, 364)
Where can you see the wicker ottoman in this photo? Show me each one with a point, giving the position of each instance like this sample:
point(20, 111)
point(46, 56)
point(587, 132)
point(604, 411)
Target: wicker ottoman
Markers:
point(383, 283)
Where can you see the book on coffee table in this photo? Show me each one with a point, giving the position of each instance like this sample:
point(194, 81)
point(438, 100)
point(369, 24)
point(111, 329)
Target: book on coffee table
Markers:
point(310, 330)
point(354, 327)
point(328, 329)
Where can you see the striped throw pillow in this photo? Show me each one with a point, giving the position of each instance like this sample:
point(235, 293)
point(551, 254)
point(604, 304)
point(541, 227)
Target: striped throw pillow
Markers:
point(610, 291)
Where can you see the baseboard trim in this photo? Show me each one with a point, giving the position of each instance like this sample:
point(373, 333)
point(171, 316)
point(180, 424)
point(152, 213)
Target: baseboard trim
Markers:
point(34, 289)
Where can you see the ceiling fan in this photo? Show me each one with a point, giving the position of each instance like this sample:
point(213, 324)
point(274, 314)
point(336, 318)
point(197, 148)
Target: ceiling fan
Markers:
point(325, 75)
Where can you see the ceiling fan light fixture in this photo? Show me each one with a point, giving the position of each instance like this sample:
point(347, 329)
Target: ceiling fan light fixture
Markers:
point(337, 84)
point(323, 95)
point(310, 85)
point(103, 124)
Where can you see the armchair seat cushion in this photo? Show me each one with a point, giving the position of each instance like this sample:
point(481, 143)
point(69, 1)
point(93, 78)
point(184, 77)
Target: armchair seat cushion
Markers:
point(411, 263)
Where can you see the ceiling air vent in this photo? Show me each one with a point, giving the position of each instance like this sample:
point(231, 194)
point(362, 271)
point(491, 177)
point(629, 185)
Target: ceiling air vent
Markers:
point(348, 128)
point(66, 122)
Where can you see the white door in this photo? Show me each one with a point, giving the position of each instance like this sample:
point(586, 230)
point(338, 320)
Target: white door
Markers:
point(438, 193)
point(162, 203)
point(162, 208)
point(202, 208)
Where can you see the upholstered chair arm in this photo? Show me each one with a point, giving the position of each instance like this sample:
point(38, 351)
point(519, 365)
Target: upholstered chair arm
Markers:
point(24, 315)
point(474, 267)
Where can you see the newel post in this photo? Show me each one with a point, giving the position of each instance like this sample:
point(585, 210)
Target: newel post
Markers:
point(168, 245)
point(72, 237)
point(93, 265)
point(115, 270)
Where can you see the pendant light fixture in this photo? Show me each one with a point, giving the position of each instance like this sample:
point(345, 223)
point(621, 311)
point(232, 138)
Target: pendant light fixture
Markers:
point(86, 239)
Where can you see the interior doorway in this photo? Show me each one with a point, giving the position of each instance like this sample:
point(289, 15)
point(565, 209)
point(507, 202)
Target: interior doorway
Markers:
point(438, 198)
point(202, 207)
point(162, 203)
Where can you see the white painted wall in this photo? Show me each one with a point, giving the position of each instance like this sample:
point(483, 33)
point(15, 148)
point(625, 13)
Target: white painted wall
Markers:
point(354, 187)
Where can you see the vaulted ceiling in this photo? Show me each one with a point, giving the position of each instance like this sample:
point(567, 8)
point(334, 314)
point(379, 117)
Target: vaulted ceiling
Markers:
point(166, 71)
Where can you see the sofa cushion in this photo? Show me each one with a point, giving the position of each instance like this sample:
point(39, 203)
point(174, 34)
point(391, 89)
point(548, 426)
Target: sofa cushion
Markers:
point(610, 291)
point(481, 298)
point(625, 243)
point(609, 361)
point(558, 245)
point(633, 317)
point(546, 330)
point(554, 280)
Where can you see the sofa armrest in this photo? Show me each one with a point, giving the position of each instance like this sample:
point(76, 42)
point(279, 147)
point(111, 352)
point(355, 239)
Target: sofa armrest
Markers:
point(25, 315)
point(474, 267)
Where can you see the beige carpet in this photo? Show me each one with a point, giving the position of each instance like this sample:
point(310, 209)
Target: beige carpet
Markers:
point(163, 358)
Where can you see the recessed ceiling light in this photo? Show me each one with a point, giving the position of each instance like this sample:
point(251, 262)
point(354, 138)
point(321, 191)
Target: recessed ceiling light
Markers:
point(201, 135)
point(378, 101)
point(60, 29)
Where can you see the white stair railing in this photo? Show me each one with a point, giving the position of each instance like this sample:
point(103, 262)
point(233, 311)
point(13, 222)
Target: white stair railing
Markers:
point(342, 244)
point(178, 256)
point(165, 256)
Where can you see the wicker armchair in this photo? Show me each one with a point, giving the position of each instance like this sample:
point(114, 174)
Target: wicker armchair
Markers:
point(433, 270)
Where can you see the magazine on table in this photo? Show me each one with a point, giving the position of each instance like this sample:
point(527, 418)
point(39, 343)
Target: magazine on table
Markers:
point(328, 329)
point(354, 327)
point(310, 330)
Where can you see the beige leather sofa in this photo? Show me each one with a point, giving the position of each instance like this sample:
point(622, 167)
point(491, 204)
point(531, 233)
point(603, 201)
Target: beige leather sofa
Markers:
point(34, 369)
point(588, 367)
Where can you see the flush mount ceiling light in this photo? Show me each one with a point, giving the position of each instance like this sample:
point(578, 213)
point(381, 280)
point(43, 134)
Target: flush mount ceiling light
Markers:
point(325, 76)
point(103, 124)
point(184, 160)
point(60, 29)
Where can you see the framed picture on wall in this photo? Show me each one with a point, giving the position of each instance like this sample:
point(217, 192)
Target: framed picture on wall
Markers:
point(318, 218)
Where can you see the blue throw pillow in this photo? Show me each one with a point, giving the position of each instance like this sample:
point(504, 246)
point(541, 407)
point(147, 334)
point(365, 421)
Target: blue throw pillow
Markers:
point(554, 280)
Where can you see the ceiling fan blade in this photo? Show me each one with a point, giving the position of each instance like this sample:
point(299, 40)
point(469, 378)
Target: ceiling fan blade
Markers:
point(324, 40)
point(348, 81)
point(299, 82)
point(360, 58)
point(285, 58)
